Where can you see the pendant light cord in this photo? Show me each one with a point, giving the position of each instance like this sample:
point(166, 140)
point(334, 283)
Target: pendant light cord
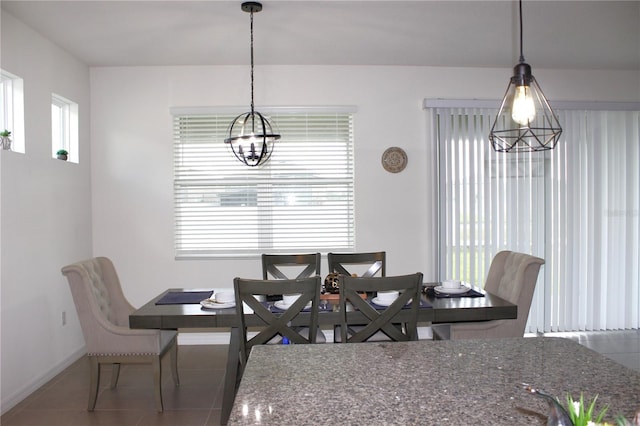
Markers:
point(252, 105)
point(521, 50)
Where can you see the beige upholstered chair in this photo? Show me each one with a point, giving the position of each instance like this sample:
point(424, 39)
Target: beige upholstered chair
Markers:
point(104, 312)
point(512, 276)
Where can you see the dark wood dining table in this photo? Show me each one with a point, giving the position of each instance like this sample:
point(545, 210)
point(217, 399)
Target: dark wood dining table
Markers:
point(182, 316)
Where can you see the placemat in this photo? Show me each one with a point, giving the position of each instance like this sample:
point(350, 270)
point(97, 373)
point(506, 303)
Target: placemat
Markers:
point(423, 304)
point(274, 308)
point(184, 297)
point(429, 291)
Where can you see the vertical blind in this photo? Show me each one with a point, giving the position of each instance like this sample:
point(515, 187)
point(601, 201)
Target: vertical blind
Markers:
point(300, 200)
point(592, 232)
point(576, 206)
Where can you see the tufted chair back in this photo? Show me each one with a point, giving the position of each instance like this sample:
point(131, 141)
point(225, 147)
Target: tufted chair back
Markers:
point(104, 311)
point(111, 306)
point(512, 276)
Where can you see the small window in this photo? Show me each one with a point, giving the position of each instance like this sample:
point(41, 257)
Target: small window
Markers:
point(64, 128)
point(12, 109)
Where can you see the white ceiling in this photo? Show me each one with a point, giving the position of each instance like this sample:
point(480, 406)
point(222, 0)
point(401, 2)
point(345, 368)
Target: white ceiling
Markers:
point(477, 33)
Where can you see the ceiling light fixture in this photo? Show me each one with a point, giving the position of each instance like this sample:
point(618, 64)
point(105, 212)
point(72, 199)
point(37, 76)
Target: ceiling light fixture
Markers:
point(250, 136)
point(525, 122)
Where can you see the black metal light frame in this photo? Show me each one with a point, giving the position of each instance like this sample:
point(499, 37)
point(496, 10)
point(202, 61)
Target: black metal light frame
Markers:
point(251, 137)
point(539, 133)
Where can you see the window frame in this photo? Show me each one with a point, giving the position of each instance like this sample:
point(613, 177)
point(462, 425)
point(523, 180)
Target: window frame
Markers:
point(288, 192)
point(64, 127)
point(12, 109)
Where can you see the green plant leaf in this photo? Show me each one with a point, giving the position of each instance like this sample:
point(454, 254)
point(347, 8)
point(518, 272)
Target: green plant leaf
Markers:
point(582, 415)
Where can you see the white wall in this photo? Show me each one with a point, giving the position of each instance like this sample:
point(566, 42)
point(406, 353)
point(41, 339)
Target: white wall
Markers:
point(132, 153)
point(45, 219)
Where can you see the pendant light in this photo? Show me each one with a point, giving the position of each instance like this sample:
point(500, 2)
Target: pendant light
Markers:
point(250, 136)
point(525, 122)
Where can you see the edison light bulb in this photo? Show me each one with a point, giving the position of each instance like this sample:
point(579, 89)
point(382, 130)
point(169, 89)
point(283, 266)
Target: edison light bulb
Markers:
point(523, 109)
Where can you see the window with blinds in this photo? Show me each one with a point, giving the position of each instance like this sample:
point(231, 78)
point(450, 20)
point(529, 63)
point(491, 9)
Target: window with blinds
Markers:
point(301, 200)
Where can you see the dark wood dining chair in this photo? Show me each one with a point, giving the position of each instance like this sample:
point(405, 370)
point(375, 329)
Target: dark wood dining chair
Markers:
point(397, 322)
point(285, 266)
point(272, 322)
point(374, 262)
point(281, 266)
point(356, 264)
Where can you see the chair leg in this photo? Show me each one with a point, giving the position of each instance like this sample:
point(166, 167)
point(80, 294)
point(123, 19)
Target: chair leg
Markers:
point(157, 382)
point(174, 364)
point(94, 381)
point(232, 376)
point(441, 332)
point(115, 373)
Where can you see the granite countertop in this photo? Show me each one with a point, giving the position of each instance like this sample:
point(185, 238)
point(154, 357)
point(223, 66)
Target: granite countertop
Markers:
point(475, 382)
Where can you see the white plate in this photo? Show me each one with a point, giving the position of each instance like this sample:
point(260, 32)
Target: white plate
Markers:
point(460, 290)
point(208, 304)
point(280, 305)
point(382, 302)
point(386, 303)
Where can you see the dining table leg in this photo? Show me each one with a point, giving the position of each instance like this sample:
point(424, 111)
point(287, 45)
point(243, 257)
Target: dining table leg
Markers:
point(230, 381)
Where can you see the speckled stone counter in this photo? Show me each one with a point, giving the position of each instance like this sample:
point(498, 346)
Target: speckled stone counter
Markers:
point(474, 382)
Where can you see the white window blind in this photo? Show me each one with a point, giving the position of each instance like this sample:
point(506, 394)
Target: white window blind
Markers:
point(576, 206)
point(301, 200)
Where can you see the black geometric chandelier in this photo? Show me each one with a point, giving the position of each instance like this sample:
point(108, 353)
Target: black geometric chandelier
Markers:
point(250, 135)
point(525, 122)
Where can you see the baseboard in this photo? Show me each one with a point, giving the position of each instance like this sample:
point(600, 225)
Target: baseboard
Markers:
point(213, 338)
point(425, 333)
point(222, 337)
point(15, 398)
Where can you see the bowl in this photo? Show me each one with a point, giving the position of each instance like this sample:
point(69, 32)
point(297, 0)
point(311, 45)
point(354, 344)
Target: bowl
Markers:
point(451, 284)
point(387, 296)
point(225, 296)
point(289, 299)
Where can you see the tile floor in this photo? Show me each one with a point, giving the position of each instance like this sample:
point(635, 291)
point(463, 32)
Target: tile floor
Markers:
point(197, 401)
point(621, 346)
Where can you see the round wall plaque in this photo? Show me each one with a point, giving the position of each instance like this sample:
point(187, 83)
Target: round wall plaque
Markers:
point(394, 159)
